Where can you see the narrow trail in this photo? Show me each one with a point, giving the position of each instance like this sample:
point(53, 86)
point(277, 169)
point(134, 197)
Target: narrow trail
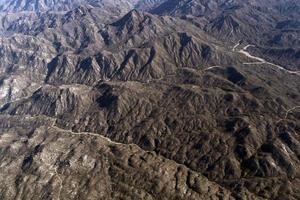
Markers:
point(88, 134)
point(235, 46)
point(291, 110)
point(85, 134)
point(243, 51)
point(260, 60)
point(53, 170)
point(263, 61)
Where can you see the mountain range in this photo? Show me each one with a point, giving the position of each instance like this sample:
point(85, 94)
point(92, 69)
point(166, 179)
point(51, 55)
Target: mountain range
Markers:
point(150, 99)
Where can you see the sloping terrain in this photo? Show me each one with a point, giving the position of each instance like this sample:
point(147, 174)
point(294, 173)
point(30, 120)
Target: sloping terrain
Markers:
point(60, 6)
point(193, 121)
point(53, 163)
point(267, 24)
point(172, 100)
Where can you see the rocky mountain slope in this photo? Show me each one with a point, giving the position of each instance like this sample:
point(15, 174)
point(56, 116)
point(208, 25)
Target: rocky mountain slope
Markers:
point(272, 25)
point(53, 158)
point(171, 100)
point(61, 5)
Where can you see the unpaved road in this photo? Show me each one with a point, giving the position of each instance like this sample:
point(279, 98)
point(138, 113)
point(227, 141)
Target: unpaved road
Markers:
point(260, 60)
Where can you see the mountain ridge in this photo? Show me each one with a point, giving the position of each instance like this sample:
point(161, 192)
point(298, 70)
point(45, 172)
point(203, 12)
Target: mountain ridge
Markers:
point(150, 100)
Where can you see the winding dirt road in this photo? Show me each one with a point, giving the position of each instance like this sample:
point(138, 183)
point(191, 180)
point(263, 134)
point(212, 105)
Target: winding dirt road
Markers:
point(260, 60)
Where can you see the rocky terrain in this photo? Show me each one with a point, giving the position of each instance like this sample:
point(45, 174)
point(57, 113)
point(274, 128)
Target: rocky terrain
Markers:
point(150, 99)
point(15, 6)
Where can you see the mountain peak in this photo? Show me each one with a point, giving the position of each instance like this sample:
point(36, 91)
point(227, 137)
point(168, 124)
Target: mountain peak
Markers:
point(131, 18)
point(134, 14)
point(99, 100)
